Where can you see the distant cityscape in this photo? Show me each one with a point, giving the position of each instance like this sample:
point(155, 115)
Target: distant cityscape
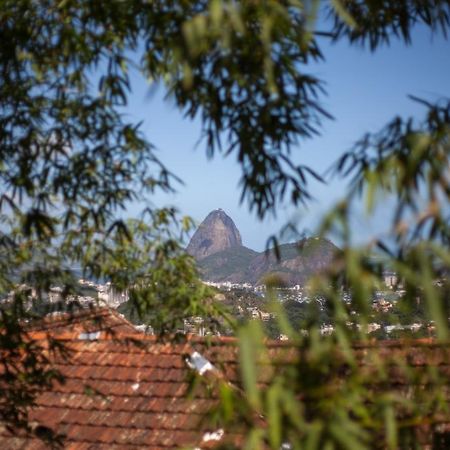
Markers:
point(217, 248)
point(247, 301)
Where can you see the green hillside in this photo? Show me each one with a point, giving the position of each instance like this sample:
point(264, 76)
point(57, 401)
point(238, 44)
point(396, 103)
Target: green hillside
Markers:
point(299, 261)
point(228, 265)
point(316, 246)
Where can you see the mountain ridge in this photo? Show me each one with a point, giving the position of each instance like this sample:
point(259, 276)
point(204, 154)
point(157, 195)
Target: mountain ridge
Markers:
point(221, 257)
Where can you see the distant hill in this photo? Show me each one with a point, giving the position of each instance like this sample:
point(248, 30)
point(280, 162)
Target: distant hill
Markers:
point(218, 249)
point(298, 261)
point(228, 265)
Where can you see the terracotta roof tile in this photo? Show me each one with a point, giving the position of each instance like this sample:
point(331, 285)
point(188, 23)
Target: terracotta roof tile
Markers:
point(117, 393)
point(124, 394)
point(70, 325)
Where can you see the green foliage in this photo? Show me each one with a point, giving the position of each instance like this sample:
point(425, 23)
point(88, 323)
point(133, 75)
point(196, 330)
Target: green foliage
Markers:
point(241, 68)
point(169, 290)
point(376, 24)
point(325, 399)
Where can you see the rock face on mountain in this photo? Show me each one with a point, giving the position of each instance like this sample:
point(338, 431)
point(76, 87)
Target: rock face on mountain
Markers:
point(298, 262)
point(215, 234)
point(218, 249)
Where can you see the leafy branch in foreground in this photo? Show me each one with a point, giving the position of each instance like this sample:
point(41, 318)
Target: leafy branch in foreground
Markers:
point(376, 24)
point(409, 161)
point(344, 390)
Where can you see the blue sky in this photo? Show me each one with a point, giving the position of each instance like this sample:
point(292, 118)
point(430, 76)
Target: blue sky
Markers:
point(365, 90)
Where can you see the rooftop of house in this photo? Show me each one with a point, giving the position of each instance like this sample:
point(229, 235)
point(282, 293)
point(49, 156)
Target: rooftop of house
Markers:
point(138, 393)
point(121, 396)
point(89, 323)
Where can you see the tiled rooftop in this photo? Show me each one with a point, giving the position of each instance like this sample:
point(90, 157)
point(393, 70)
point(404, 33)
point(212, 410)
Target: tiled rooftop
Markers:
point(121, 396)
point(136, 393)
point(122, 389)
point(106, 322)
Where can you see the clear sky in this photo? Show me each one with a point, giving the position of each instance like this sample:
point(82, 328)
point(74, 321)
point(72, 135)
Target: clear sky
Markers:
point(365, 90)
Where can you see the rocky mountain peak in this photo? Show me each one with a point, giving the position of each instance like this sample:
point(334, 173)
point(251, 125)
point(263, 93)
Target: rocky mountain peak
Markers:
point(215, 234)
